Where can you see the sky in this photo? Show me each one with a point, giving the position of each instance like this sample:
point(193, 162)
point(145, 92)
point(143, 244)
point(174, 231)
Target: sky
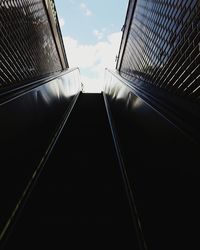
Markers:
point(91, 31)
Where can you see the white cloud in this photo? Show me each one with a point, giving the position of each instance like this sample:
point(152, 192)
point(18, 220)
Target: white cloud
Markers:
point(91, 85)
point(86, 11)
point(61, 21)
point(98, 34)
point(93, 58)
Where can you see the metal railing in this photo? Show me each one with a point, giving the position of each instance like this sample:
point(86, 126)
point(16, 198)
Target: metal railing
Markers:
point(27, 44)
point(163, 46)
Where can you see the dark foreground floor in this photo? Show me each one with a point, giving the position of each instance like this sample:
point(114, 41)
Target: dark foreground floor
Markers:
point(79, 201)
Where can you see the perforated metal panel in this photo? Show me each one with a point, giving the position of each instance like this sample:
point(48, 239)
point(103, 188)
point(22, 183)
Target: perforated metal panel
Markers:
point(27, 46)
point(163, 46)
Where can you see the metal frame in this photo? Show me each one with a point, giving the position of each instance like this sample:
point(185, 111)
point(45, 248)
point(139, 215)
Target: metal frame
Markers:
point(181, 113)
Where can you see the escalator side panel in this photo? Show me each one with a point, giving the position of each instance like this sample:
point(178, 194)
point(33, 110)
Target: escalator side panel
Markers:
point(162, 168)
point(28, 123)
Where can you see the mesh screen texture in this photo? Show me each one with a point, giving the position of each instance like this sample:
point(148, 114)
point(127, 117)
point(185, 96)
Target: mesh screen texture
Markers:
point(27, 47)
point(163, 46)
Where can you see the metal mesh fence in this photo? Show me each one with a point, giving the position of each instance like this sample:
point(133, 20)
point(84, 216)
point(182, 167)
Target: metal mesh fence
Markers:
point(163, 46)
point(27, 47)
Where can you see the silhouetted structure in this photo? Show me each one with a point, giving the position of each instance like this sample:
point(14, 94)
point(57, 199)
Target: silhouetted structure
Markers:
point(100, 171)
point(154, 101)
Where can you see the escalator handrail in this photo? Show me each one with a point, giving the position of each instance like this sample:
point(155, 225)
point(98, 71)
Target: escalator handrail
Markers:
point(181, 113)
point(10, 94)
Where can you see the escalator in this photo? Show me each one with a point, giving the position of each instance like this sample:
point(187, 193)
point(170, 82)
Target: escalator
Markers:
point(79, 200)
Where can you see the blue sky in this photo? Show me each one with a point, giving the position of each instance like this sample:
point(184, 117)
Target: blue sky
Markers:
point(92, 33)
